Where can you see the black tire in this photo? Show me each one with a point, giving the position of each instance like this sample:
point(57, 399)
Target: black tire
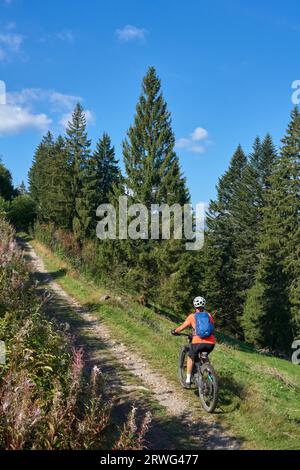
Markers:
point(208, 388)
point(182, 366)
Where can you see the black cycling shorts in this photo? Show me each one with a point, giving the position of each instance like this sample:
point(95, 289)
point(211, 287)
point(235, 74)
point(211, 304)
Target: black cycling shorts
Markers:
point(195, 349)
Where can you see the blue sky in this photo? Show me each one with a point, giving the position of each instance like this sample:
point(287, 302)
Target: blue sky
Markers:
point(226, 66)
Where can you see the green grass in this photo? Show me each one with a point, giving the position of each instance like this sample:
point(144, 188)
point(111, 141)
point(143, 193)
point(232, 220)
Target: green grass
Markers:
point(259, 395)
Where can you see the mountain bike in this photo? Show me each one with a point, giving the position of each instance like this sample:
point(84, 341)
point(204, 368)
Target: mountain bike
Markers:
point(203, 376)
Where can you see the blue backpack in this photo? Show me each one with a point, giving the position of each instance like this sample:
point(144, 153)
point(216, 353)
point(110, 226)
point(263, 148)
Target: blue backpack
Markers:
point(204, 328)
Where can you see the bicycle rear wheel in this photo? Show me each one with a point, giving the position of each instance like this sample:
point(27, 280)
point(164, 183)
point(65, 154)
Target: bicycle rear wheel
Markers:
point(208, 388)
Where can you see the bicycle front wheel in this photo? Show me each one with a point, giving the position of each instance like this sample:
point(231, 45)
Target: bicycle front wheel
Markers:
point(182, 366)
point(208, 388)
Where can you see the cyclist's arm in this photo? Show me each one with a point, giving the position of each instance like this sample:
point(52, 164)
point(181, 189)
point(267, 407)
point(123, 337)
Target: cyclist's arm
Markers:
point(184, 325)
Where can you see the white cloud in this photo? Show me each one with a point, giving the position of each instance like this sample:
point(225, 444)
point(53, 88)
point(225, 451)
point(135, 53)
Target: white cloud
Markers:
point(65, 35)
point(25, 96)
point(63, 101)
point(57, 101)
point(14, 119)
point(10, 44)
point(182, 143)
point(196, 142)
point(197, 148)
point(21, 110)
point(130, 32)
point(13, 41)
point(199, 134)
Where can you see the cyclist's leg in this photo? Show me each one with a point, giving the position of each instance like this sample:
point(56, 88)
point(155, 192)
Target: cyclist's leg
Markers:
point(189, 369)
point(190, 361)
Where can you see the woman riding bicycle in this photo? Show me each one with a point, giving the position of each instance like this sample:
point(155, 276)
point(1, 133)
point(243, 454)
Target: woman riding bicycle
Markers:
point(203, 336)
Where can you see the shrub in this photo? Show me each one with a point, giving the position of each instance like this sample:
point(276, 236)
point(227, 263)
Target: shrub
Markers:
point(22, 212)
point(3, 208)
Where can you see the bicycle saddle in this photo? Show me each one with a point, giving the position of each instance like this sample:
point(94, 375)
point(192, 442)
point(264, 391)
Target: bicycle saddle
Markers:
point(204, 355)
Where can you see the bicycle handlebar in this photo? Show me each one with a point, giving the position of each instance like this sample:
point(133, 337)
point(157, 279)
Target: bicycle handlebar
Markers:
point(184, 334)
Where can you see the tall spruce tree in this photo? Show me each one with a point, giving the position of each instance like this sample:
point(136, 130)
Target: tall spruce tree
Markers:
point(219, 283)
point(78, 147)
point(103, 174)
point(153, 176)
point(290, 152)
point(153, 172)
point(107, 168)
point(21, 190)
point(39, 176)
point(271, 316)
point(247, 213)
point(59, 195)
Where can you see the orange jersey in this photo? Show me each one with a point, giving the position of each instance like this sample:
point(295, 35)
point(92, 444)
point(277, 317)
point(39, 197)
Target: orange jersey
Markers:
point(191, 322)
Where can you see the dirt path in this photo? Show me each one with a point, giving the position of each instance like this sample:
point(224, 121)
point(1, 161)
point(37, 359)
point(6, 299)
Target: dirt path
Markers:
point(128, 377)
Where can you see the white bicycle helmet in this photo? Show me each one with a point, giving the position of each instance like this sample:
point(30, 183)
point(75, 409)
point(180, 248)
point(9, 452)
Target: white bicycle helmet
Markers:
point(199, 302)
